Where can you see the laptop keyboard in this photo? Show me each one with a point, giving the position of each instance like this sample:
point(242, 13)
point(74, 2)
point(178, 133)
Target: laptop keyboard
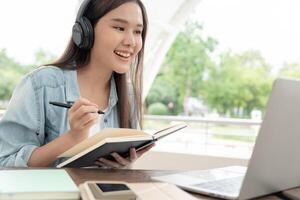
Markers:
point(228, 186)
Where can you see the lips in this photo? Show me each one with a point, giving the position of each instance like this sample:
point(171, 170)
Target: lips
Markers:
point(123, 54)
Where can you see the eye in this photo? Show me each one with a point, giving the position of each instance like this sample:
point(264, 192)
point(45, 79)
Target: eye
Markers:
point(138, 32)
point(119, 28)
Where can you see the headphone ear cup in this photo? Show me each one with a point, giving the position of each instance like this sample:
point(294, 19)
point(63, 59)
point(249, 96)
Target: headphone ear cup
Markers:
point(89, 33)
point(77, 34)
point(83, 33)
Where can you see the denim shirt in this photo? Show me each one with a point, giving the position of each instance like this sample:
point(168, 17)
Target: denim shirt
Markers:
point(30, 121)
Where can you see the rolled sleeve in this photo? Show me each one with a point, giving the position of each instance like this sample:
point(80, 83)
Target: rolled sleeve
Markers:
point(20, 131)
point(24, 154)
point(19, 159)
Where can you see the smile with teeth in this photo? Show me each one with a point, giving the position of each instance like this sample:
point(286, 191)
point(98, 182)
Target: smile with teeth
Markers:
point(122, 54)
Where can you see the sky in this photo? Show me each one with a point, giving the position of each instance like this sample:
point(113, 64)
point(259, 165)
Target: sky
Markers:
point(30, 25)
point(270, 26)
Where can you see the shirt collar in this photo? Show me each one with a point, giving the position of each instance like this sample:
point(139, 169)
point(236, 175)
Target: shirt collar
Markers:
point(113, 97)
point(73, 92)
point(72, 88)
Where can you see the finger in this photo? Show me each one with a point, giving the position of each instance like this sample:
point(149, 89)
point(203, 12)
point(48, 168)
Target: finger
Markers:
point(110, 163)
point(78, 103)
point(101, 164)
point(82, 123)
point(87, 118)
point(80, 112)
point(133, 155)
point(142, 151)
point(90, 123)
point(120, 159)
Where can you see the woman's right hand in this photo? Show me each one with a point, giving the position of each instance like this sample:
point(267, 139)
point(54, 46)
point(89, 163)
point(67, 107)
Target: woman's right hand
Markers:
point(82, 116)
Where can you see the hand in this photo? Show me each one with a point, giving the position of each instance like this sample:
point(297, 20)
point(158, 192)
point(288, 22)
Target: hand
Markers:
point(121, 162)
point(82, 115)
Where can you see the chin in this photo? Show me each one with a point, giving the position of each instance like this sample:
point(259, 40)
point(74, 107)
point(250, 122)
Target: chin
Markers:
point(121, 70)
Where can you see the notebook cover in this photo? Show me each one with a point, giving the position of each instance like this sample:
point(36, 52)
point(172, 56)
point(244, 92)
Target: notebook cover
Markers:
point(104, 151)
point(37, 181)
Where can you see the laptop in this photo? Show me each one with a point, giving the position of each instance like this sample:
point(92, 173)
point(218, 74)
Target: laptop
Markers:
point(275, 161)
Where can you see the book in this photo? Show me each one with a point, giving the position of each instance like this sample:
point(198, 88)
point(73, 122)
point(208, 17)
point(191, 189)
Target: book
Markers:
point(110, 140)
point(37, 184)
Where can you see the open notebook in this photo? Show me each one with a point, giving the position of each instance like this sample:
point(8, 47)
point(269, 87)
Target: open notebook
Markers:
point(109, 140)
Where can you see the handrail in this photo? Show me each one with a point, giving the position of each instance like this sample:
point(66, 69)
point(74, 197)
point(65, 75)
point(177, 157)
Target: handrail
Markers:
point(234, 121)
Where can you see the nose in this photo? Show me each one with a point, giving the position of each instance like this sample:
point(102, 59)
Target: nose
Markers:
point(129, 39)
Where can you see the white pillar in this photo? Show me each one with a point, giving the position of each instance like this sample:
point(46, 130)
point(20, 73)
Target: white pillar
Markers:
point(166, 19)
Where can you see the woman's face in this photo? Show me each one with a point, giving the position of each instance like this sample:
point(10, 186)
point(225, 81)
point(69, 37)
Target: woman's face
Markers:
point(118, 38)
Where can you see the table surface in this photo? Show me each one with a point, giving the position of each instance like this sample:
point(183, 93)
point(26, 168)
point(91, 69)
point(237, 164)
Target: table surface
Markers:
point(132, 176)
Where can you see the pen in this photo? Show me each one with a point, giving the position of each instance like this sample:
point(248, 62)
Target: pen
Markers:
point(69, 105)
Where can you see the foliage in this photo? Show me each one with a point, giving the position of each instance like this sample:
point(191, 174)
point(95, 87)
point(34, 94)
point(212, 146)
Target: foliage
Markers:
point(163, 92)
point(239, 84)
point(183, 69)
point(158, 109)
point(235, 86)
point(187, 60)
point(11, 71)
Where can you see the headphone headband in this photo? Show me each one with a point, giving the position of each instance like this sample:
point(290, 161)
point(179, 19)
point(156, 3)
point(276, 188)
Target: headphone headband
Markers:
point(82, 8)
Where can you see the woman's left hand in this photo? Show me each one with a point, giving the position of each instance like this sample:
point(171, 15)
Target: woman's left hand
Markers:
point(121, 162)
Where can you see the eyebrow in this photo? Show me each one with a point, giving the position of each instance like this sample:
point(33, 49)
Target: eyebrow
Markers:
point(124, 21)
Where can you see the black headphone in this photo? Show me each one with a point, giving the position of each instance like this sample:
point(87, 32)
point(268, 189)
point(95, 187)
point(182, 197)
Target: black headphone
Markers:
point(83, 32)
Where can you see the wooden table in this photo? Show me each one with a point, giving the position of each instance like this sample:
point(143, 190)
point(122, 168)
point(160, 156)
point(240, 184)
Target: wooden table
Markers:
point(131, 176)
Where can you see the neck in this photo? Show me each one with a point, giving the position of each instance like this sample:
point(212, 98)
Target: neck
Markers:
point(94, 76)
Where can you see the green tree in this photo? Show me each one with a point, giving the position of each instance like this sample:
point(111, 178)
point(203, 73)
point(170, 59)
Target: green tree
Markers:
point(11, 71)
point(163, 92)
point(239, 84)
point(182, 72)
point(158, 109)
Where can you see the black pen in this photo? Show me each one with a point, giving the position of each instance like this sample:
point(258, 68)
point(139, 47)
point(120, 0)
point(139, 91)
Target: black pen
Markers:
point(69, 105)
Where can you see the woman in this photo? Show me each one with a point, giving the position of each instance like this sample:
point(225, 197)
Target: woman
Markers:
point(107, 45)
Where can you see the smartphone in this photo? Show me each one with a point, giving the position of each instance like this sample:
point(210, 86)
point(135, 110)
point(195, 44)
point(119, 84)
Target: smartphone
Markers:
point(98, 190)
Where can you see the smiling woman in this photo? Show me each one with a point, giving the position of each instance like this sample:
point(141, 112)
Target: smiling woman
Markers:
point(118, 51)
point(106, 50)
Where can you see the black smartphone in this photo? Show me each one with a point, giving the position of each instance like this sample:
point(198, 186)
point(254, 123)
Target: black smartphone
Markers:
point(96, 190)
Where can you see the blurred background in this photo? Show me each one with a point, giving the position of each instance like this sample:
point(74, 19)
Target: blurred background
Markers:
point(209, 63)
